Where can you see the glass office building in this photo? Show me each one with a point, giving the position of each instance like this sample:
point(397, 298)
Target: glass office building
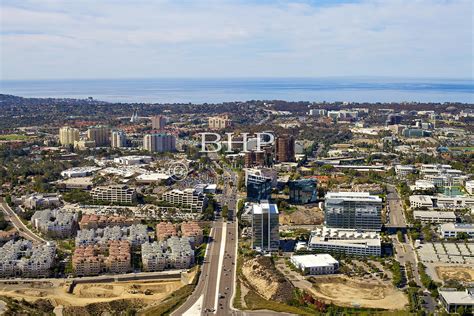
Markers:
point(303, 191)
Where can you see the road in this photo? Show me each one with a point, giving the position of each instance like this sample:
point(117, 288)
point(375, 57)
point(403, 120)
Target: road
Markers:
point(24, 231)
point(395, 208)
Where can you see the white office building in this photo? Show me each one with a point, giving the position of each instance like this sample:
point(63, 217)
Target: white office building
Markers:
point(315, 264)
point(453, 230)
point(265, 227)
point(346, 241)
point(434, 216)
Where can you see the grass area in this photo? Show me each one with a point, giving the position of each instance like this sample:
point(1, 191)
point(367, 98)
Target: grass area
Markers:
point(12, 137)
point(237, 303)
point(256, 302)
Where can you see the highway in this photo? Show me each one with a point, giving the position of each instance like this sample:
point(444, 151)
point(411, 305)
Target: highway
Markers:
point(24, 231)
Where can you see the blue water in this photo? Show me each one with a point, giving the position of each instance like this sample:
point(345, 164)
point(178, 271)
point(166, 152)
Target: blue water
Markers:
point(222, 90)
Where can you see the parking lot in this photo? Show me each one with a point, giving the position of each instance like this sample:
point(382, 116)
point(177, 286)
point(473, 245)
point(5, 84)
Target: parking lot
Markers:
point(458, 253)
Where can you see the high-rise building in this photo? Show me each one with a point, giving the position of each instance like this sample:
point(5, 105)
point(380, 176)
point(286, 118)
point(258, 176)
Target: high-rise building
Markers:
point(265, 227)
point(68, 135)
point(258, 187)
point(303, 191)
point(353, 210)
point(219, 122)
point(285, 148)
point(99, 134)
point(119, 139)
point(158, 122)
point(159, 142)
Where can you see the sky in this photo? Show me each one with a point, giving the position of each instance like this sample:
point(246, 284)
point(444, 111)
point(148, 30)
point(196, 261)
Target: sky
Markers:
point(59, 39)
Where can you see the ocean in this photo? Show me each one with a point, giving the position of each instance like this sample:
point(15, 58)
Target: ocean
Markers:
point(225, 90)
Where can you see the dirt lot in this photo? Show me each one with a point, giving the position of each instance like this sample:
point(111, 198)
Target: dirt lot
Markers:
point(303, 216)
point(263, 277)
point(463, 274)
point(85, 294)
point(346, 291)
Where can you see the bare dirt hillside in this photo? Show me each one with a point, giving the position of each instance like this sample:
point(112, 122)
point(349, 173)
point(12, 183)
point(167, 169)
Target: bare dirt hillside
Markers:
point(266, 280)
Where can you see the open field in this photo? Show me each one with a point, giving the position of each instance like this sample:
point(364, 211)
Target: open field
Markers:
point(85, 294)
point(344, 291)
point(463, 274)
point(303, 216)
point(13, 137)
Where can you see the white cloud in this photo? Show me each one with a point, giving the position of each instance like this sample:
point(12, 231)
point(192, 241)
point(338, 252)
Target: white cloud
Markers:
point(214, 38)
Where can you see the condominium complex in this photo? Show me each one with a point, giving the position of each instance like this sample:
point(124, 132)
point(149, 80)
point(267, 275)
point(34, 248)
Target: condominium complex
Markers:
point(136, 234)
point(193, 231)
point(68, 135)
point(346, 241)
point(114, 193)
point(55, 223)
point(353, 210)
point(265, 227)
point(92, 259)
point(303, 191)
point(219, 122)
point(118, 139)
point(188, 199)
point(22, 258)
point(99, 134)
point(174, 253)
point(165, 230)
point(158, 122)
point(285, 148)
point(159, 142)
point(35, 201)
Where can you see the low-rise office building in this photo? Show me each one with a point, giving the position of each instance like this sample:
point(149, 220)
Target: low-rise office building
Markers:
point(188, 199)
point(315, 264)
point(452, 300)
point(36, 200)
point(455, 230)
point(434, 216)
point(346, 241)
point(114, 193)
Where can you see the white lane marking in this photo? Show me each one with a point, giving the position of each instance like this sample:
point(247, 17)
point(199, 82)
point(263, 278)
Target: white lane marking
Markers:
point(196, 309)
point(221, 262)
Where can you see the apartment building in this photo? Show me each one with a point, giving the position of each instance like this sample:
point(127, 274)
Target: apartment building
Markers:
point(55, 223)
point(165, 230)
point(118, 139)
point(159, 142)
point(35, 201)
point(193, 231)
point(173, 253)
point(265, 227)
point(23, 259)
point(99, 134)
point(285, 148)
point(219, 122)
point(188, 199)
point(92, 260)
point(68, 135)
point(136, 234)
point(353, 210)
point(114, 193)
point(158, 122)
point(346, 241)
